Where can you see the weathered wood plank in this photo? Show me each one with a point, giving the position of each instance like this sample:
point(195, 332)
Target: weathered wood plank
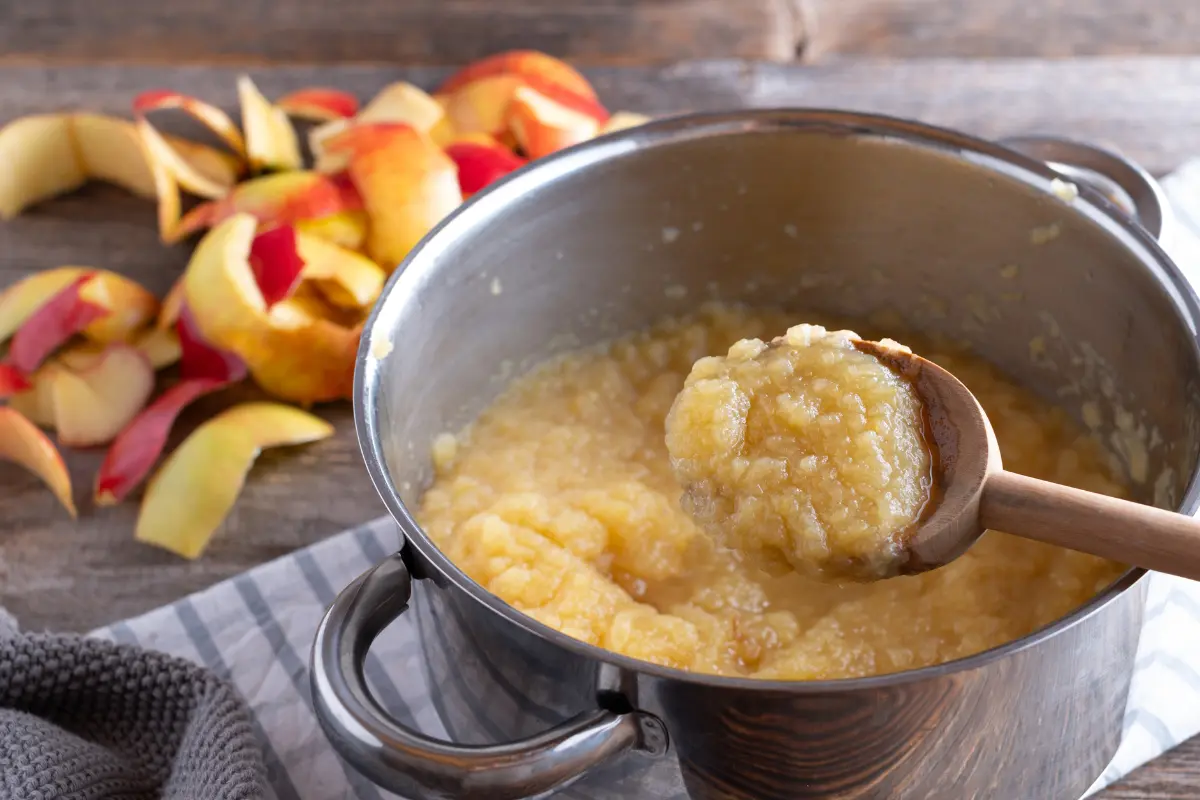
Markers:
point(1008, 28)
point(396, 31)
point(1174, 776)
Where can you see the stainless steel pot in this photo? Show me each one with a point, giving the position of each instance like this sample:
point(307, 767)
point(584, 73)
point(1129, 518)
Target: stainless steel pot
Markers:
point(841, 213)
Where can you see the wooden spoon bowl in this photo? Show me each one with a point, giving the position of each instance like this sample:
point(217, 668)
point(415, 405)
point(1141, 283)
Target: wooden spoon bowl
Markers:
point(973, 492)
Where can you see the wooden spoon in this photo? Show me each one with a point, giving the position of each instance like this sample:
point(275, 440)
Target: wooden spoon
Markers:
point(974, 493)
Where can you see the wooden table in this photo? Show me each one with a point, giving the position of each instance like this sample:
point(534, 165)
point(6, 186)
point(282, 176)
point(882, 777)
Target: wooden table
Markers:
point(1123, 72)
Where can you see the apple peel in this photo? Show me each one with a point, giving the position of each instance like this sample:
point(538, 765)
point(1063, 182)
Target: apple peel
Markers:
point(22, 443)
point(276, 263)
point(271, 141)
point(284, 198)
point(526, 64)
point(318, 104)
point(200, 360)
point(407, 183)
point(198, 484)
point(480, 164)
point(347, 279)
point(206, 114)
point(61, 317)
point(91, 406)
point(40, 162)
point(543, 125)
point(399, 102)
point(138, 446)
point(160, 346)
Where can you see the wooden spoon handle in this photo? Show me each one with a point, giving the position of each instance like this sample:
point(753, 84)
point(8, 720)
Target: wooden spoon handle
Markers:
point(1123, 531)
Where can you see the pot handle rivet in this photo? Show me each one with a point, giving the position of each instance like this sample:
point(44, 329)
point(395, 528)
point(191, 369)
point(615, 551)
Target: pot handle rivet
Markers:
point(409, 763)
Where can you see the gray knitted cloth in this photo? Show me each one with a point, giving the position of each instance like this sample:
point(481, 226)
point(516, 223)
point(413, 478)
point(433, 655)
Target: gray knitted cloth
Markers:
point(82, 719)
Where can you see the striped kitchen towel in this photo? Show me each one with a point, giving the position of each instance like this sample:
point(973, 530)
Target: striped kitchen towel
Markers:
point(256, 631)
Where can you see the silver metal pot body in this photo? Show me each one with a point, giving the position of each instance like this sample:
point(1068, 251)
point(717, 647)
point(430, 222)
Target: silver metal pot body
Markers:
point(844, 214)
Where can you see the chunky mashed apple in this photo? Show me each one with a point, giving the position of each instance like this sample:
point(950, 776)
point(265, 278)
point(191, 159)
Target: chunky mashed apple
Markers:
point(560, 499)
point(805, 449)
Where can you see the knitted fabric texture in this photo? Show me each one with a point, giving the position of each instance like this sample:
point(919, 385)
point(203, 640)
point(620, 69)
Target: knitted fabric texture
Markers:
point(83, 719)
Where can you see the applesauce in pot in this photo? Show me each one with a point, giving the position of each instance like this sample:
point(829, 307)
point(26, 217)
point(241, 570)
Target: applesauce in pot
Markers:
point(560, 499)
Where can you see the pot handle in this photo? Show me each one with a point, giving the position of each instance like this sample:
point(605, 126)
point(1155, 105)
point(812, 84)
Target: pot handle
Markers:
point(404, 761)
point(1122, 181)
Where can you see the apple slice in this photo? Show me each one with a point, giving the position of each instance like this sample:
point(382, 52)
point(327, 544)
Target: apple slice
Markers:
point(280, 199)
point(407, 183)
point(160, 346)
point(276, 263)
point(481, 163)
point(91, 406)
point(40, 162)
point(318, 104)
point(136, 449)
point(345, 278)
point(270, 138)
point(22, 443)
point(208, 115)
point(197, 486)
point(543, 126)
point(61, 317)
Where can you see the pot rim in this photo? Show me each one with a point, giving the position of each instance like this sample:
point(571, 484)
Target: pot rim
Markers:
point(413, 270)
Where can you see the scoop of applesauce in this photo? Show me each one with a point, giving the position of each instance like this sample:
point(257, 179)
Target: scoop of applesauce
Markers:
point(803, 449)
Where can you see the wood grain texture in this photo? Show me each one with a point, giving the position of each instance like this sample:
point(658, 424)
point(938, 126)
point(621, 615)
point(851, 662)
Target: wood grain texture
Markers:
point(999, 28)
point(1174, 776)
point(396, 31)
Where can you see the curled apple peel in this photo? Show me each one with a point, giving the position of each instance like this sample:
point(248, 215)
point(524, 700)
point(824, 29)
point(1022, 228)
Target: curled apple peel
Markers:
point(318, 104)
point(406, 182)
point(198, 484)
point(92, 404)
point(50, 326)
point(22, 443)
point(284, 198)
point(289, 352)
point(270, 138)
point(480, 164)
point(138, 446)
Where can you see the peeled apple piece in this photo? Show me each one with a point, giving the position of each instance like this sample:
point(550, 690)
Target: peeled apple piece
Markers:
point(22, 443)
point(198, 484)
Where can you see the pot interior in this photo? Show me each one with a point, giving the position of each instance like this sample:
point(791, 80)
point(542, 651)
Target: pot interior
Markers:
point(854, 216)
